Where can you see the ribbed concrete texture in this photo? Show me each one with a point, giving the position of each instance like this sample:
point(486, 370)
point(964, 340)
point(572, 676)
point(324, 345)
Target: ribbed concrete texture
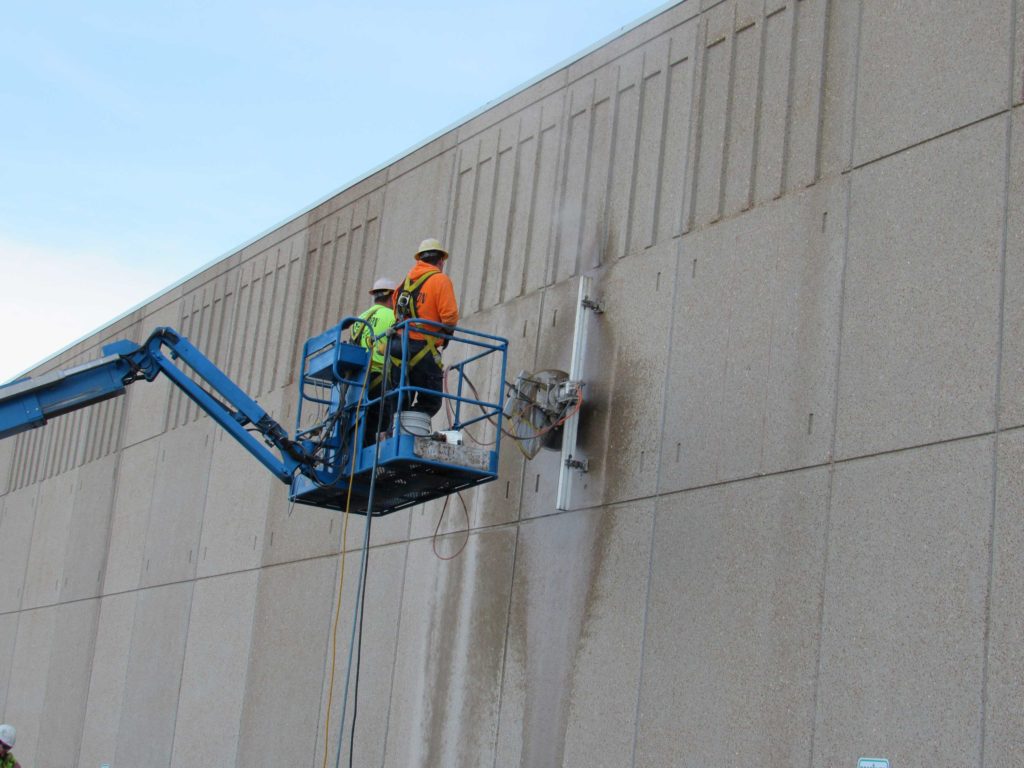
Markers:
point(799, 539)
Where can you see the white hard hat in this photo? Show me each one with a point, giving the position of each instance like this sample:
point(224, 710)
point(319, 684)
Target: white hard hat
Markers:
point(431, 244)
point(7, 735)
point(383, 284)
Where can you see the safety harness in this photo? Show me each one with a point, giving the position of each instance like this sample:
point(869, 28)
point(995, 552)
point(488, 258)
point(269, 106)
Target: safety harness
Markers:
point(405, 309)
point(357, 336)
point(360, 337)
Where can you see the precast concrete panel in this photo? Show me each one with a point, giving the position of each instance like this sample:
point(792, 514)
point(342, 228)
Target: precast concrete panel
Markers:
point(8, 636)
point(733, 624)
point(18, 517)
point(624, 112)
point(651, 135)
point(373, 659)
point(500, 226)
point(543, 196)
point(133, 494)
point(523, 263)
point(322, 273)
point(237, 363)
point(284, 680)
point(576, 622)
point(716, 70)
point(672, 215)
point(1004, 685)
point(26, 691)
point(109, 673)
point(953, 61)
point(1017, 78)
point(806, 92)
point(220, 626)
point(280, 366)
point(6, 464)
point(624, 377)
point(755, 329)
point(903, 631)
point(88, 534)
point(44, 571)
point(182, 473)
point(738, 174)
point(447, 678)
point(24, 454)
point(922, 294)
point(62, 719)
point(776, 41)
point(234, 519)
point(473, 215)
point(293, 532)
point(145, 733)
point(235, 510)
point(1011, 386)
point(415, 208)
point(581, 129)
point(262, 349)
point(839, 87)
point(330, 276)
point(361, 250)
point(591, 239)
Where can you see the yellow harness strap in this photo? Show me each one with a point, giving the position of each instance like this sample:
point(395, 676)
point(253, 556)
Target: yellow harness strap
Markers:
point(430, 342)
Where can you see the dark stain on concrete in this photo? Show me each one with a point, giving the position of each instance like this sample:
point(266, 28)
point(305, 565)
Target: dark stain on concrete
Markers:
point(467, 688)
point(554, 606)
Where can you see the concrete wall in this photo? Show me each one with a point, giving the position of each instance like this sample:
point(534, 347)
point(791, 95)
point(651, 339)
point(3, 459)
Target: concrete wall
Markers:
point(799, 539)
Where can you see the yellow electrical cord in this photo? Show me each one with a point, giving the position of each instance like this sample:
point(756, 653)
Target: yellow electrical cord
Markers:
point(341, 573)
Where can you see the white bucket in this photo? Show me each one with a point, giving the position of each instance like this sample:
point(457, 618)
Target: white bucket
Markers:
point(415, 423)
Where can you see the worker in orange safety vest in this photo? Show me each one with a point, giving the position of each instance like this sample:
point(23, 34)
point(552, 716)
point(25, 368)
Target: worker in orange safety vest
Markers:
point(427, 293)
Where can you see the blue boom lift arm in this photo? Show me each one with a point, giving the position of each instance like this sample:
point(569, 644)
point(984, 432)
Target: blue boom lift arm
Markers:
point(325, 458)
point(31, 403)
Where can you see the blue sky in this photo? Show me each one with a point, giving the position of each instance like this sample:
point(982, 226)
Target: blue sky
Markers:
point(143, 140)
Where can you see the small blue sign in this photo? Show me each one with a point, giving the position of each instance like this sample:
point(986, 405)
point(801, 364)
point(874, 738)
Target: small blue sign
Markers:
point(872, 762)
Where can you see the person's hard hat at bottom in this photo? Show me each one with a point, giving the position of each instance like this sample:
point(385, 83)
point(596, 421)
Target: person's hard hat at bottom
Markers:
point(7, 736)
point(379, 317)
point(426, 293)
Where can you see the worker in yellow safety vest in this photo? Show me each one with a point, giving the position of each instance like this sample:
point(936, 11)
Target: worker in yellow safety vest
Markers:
point(7, 735)
point(370, 334)
point(427, 293)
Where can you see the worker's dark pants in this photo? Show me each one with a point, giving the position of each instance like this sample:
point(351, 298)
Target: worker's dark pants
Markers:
point(426, 373)
point(371, 414)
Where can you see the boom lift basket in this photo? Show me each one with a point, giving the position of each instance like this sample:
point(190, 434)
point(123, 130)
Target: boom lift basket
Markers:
point(412, 464)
